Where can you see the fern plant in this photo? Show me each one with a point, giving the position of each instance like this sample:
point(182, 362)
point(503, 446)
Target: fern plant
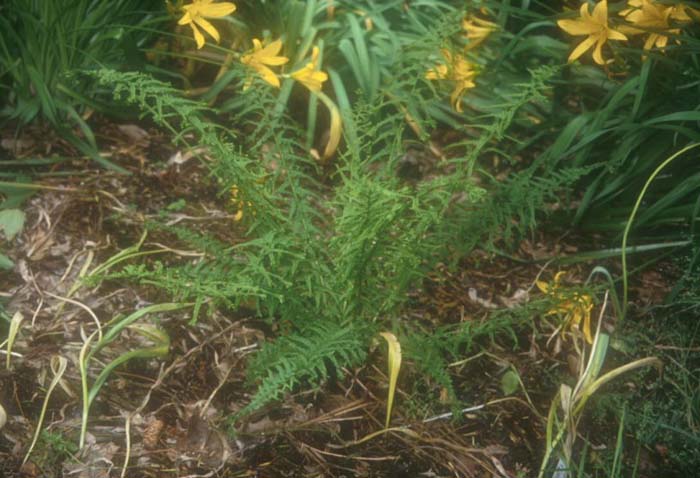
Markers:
point(331, 254)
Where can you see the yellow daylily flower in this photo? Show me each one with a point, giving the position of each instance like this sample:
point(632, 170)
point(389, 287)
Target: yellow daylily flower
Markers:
point(261, 57)
point(198, 10)
point(309, 75)
point(680, 13)
point(574, 308)
point(458, 69)
point(476, 30)
point(596, 27)
point(652, 18)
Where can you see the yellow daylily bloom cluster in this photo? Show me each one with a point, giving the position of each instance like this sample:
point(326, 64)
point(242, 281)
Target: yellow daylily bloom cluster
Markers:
point(260, 58)
point(456, 66)
point(644, 16)
point(198, 11)
point(573, 307)
point(655, 19)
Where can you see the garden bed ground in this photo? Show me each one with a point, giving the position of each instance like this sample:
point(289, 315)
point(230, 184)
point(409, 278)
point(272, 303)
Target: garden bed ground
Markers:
point(176, 407)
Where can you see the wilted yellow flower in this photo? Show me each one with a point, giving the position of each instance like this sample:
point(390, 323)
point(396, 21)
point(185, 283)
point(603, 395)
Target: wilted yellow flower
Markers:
point(476, 30)
point(336, 126)
point(239, 204)
point(458, 69)
point(309, 75)
point(261, 57)
point(438, 72)
point(573, 307)
point(394, 368)
point(198, 10)
point(652, 18)
point(597, 29)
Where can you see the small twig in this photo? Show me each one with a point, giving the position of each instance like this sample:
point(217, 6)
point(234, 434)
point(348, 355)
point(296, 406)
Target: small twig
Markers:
point(222, 382)
point(82, 306)
point(39, 186)
point(449, 414)
point(351, 457)
point(38, 308)
point(680, 349)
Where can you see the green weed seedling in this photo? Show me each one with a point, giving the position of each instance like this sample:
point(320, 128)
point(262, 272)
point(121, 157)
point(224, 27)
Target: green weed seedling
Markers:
point(160, 348)
point(52, 450)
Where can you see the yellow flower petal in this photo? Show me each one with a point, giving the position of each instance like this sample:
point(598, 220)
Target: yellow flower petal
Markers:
point(208, 27)
point(268, 75)
point(274, 60)
point(650, 41)
point(600, 12)
point(542, 286)
point(458, 93)
point(218, 10)
point(680, 13)
point(198, 37)
point(587, 326)
point(577, 27)
point(272, 49)
point(598, 51)
point(439, 72)
point(477, 30)
point(616, 35)
point(186, 18)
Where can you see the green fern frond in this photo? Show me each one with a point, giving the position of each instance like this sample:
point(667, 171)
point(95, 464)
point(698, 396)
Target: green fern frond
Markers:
point(324, 347)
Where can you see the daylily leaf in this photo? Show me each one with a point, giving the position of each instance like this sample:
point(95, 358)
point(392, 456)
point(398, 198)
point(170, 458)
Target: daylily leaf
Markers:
point(58, 368)
point(394, 366)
